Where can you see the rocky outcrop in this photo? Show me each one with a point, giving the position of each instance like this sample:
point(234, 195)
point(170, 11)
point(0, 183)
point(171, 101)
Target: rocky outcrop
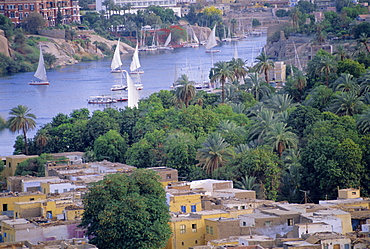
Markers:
point(4, 44)
point(66, 52)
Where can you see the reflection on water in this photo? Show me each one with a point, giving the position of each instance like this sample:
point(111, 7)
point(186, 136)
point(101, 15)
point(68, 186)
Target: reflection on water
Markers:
point(71, 86)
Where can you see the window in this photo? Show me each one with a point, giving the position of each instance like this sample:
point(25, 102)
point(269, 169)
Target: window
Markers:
point(207, 229)
point(290, 222)
point(20, 7)
point(211, 230)
point(242, 207)
point(267, 223)
point(26, 6)
point(353, 193)
point(32, 199)
point(1, 7)
point(193, 208)
point(5, 207)
point(346, 246)
point(244, 224)
point(56, 191)
point(236, 207)
point(196, 242)
point(26, 14)
point(168, 176)
point(20, 16)
point(65, 190)
point(183, 209)
point(12, 15)
point(10, 165)
point(182, 229)
point(194, 228)
point(32, 7)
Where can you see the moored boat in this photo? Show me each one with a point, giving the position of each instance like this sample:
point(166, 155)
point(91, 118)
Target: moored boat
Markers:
point(101, 99)
point(40, 73)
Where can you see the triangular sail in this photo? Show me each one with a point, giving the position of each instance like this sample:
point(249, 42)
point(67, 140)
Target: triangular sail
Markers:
point(116, 62)
point(195, 37)
point(132, 93)
point(212, 39)
point(236, 56)
point(168, 40)
point(41, 72)
point(135, 63)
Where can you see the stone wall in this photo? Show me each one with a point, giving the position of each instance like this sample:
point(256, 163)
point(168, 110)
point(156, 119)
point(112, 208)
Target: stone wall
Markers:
point(54, 33)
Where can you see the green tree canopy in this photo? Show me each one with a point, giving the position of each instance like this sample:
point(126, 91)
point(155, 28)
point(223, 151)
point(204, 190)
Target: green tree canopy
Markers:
point(127, 211)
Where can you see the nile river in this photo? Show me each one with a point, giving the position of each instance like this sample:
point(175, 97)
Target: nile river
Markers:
point(71, 86)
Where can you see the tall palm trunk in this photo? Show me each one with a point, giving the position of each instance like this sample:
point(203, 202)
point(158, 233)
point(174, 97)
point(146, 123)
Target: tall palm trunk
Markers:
point(25, 140)
point(223, 90)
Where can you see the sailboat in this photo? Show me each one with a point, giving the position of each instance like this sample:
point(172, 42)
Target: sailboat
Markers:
point(132, 93)
point(134, 68)
point(116, 68)
point(212, 42)
point(194, 43)
point(135, 63)
point(40, 72)
point(166, 44)
point(116, 61)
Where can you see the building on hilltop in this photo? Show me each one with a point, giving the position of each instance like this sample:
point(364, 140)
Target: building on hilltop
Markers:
point(18, 10)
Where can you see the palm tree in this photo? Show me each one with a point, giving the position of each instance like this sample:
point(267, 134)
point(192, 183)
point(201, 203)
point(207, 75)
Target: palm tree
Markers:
point(280, 138)
point(280, 103)
point(364, 82)
point(341, 53)
point(327, 65)
point(294, 14)
point(185, 90)
point(42, 139)
point(264, 64)
point(364, 40)
point(345, 83)
point(238, 66)
point(247, 183)
point(262, 123)
point(363, 122)
point(256, 86)
point(222, 72)
point(346, 103)
point(21, 119)
point(214, 153)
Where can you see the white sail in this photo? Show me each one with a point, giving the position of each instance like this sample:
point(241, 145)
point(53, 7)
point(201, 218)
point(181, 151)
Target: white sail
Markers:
point(168, 40)
point(236, 56)
point(195, 37)
point(212, 39)
point(41, 72)
point(116, 62)
point(135, 63)
point(132, 93)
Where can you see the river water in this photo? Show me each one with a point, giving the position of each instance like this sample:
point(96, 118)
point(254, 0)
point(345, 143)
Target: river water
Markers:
point(71, 86)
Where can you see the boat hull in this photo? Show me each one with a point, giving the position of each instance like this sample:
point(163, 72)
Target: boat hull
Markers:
point(137, 72)
point(39, 83)
point(116, 71)
point(118, 88)
point(213, 51)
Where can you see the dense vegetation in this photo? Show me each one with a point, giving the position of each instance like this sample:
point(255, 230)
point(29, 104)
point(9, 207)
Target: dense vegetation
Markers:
point(312, 135)
point(127, 211)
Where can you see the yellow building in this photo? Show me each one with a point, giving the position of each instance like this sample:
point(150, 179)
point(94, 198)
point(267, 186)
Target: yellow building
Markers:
point(184, 201)
point(7, 200)
point(349, 193)
point(42, 208)
point(73, 212)
point(190, 229)
point(12, 162)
